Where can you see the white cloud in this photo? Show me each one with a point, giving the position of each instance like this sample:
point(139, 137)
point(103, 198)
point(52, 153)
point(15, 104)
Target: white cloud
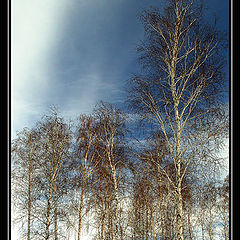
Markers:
point(36, 83)
point(34, 26)
point(64, 52)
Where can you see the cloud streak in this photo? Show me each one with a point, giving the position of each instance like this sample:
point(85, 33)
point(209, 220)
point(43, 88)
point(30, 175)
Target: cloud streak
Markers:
point(71, 54)
point(34, 26)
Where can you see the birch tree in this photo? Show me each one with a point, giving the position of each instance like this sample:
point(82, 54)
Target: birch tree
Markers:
point(86, 159)
point(111, 122)
point(180, 86)
point(24, 152)
point(55, 138)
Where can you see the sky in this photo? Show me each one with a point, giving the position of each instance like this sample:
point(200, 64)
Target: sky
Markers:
point(74, 53)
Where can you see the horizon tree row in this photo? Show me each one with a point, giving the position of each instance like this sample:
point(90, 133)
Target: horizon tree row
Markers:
point(70, 177)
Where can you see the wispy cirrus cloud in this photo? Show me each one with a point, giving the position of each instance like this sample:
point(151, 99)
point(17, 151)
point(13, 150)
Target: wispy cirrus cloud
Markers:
point(34, 26)
point(65, 53)
point(71, 54)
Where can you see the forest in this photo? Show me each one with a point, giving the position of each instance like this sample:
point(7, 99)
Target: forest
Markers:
point(149, 171)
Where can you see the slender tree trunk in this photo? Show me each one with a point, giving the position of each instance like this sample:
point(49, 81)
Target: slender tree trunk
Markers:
point(29, 191)
point(102, 220)
point(55, 210)
point(103, 214)
point(177, 131)
point(179, 215)
point(116, 217)
point(178, 163)
point(163, 227)
point(202, 220)
point(189, 224)
point(225, 220)
point(163, 217)
point(81, 208)
point(116, 198)
point(210, 222)
point(152, 225)
point(48, 214)
point(178, 168)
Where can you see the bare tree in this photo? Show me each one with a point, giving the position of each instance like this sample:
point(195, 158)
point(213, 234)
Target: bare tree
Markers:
point(24, 149)
point(103, 203)
point(144, 209)
point(86, 157)
point(111, 122)
point(179, 92)
point(55, 138)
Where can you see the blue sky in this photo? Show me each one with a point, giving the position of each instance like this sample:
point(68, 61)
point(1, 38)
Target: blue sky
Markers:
point(73, 53)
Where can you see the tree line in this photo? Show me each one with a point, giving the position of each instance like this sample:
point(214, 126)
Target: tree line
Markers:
point(93, 174)
point(67, 176)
